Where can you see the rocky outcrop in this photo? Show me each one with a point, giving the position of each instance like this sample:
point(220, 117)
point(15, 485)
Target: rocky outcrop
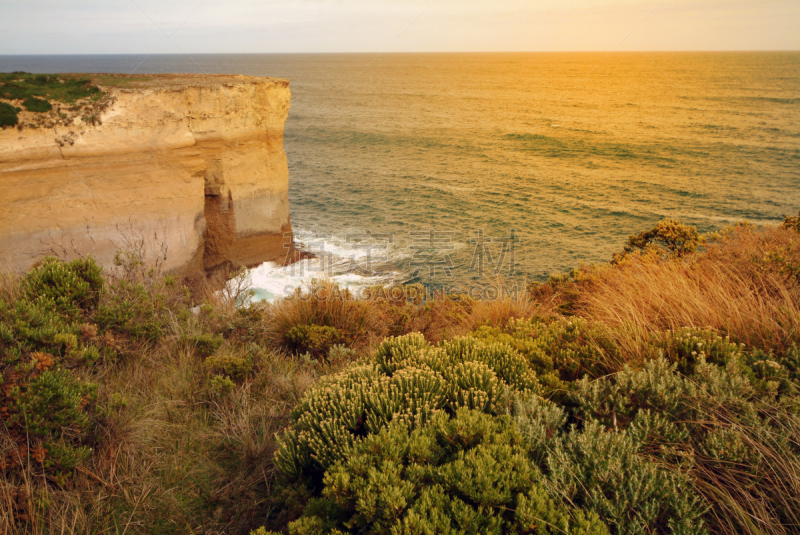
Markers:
point(188, 170)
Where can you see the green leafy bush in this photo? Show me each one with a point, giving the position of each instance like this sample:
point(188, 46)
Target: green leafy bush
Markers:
point(8, 115)
point(63, 87)
point(418, 439)
point(688, 346)
point(54, 401)
point(47, 408)
point(407, 380)
point(603, 472)
point(314, 339)
point(454, 439)
point(733, 440)
point(135, 310)
point(38, 105)
point(69, 286)
point(560, 352)
point(463, 474)
point(206, 344)
point(27, 326)
point(791, 222)
point(237, 368)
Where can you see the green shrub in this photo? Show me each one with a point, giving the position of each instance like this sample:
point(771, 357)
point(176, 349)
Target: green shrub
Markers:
point(8, 115)
point(34, 327)
point(237, 368)
point(53, 401)
point(206, 344)
point(654, 450)
point(603, 472)
point(465, 474)
point(69, 286)
point(772, 373)
point(339, 354)
point(43, 403)
point(222, 386)
point(407, 380)
point(686, 347)
point(314, 339)
point(37, 104)
point(28, 326)
point(559, 352)
point(62, 87)
point(135, 310)
point(732, 439)
point(62, 457)
point(791, 222)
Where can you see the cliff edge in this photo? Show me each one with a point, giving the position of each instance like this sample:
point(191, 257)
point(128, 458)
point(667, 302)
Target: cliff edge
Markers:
point(189, 169)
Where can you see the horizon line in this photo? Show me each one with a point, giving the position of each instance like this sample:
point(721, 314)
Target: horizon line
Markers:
point(706, 51)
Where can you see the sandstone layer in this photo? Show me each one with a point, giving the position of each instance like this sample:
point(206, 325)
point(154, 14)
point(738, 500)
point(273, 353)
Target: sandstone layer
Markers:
point(187, 170)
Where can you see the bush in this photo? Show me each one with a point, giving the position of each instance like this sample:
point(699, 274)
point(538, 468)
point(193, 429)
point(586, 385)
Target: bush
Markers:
point(686, 347)
point(8, 115)
point(46, 407)
point(37, 104)
point(791, 223)
point(668, 238)
point(52, 402)
point(418, 439)
point(62, 87)
point(137, 311)
point(604, 472)
point(406, 380)
point(560, 352)
point(326, 305)
point(313, 339)
point(28, 326)
point(733, 441)
point(465, 474)
point(70, 286)
point(206, 344)
point(237, 368)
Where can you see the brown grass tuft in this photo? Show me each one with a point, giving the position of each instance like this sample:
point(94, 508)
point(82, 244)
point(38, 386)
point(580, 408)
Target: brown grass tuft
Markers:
point(740, 287)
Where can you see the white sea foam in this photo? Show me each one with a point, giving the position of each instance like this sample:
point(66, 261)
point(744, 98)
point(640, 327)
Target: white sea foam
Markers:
point(337, 260)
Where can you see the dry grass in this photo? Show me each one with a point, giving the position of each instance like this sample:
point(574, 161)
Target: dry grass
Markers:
point(737, 288)
point(364, 322)
point(766, 502)
point(177, 458)
point(174, 453)
point(326, 305)
point(9, 284)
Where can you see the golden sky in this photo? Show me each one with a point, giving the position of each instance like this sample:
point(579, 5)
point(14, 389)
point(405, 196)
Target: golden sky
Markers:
point(209, 26)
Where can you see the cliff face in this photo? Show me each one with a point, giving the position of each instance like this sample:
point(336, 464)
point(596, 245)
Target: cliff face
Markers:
point(186, 168)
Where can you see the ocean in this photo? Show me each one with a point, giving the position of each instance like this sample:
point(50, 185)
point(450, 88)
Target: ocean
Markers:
point(459, 170)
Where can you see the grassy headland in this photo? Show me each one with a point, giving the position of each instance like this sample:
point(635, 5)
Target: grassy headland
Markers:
point(654, 394)
point(35, 100)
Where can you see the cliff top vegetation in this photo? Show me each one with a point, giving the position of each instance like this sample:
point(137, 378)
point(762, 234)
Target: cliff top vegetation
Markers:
point(45, 100)
point(53, 97)
point(655, 394)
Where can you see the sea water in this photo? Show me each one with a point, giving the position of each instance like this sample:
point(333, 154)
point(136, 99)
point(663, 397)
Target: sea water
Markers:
point(459, 170)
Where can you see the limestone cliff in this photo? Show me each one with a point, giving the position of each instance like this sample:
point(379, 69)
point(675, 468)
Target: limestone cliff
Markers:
point(190, 168)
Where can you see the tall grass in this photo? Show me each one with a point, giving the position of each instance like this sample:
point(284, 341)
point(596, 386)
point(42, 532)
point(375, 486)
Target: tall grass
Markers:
point(365, 320)
point(740, 287)
point(766, 502)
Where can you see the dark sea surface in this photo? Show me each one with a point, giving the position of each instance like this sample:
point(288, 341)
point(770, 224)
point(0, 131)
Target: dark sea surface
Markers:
point(572, 152)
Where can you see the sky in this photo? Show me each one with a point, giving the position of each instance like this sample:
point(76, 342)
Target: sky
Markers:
point(286, 26)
